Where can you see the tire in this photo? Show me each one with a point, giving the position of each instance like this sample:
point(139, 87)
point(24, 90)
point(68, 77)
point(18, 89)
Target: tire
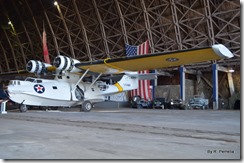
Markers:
point(189, 108)
point(139, 106)
point(23, 108)
point(86, 106)
point(182, 107)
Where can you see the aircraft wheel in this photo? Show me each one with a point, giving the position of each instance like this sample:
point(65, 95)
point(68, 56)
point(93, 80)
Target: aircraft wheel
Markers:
point(86, 106)
point(23, 108)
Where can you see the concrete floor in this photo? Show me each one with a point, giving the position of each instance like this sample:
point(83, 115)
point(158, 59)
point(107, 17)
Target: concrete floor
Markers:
point(120, 134)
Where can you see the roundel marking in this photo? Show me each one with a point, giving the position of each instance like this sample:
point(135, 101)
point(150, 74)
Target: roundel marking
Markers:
point(39, 88)
point(172, 59)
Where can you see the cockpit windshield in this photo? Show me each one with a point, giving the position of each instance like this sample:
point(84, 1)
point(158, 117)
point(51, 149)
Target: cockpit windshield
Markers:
point(33, 80)
point(30, 79)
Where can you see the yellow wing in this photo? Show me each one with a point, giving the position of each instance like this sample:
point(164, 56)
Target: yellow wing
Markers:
point(157, 60)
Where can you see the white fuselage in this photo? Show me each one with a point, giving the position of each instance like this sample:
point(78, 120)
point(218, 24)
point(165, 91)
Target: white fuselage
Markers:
point(64, 91)
point(51, 93)
point(40, 92)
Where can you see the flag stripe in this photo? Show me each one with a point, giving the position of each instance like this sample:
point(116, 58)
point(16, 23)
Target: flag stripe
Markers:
point(45, 49)
point(143, 85)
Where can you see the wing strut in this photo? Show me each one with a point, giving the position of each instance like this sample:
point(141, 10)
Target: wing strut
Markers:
point(80, 79)
point(94, 81)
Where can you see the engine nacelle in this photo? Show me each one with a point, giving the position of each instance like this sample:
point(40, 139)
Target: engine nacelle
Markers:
point(65, 63)
point(37, 67)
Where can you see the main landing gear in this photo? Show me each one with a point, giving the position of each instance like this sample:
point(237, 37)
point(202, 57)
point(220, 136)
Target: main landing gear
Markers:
point(86, 106)
point(23, 108)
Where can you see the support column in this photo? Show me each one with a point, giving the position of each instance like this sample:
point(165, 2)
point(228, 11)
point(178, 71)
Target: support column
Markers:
point(231, 83)
point(197, 83)
point(215, 87)
point(153, 83)
point(182, 84)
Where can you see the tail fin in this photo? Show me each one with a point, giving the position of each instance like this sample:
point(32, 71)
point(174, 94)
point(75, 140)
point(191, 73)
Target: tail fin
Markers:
point(129, 81)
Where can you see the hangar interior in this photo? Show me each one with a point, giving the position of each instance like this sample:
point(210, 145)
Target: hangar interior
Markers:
point(88, 30)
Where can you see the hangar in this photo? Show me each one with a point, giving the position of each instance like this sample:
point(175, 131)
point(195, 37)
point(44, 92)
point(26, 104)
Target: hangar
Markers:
point(89, 30)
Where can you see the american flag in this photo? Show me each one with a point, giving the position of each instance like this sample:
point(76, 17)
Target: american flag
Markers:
point(143, 85)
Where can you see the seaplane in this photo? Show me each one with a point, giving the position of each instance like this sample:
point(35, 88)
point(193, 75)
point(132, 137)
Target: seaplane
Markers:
point(77, 83)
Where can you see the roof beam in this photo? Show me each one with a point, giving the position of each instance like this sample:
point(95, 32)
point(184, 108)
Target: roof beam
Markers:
point(5, 57)
point(209, 21)
point(67, 31)
point(176, 24)
point(122, 22)
point(148, 28)
point(105, 42)
point(12, 50)
point(17, 37)
point(83, 30)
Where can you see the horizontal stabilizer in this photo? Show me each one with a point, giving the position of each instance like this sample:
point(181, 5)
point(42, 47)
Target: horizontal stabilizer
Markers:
point(148, 76)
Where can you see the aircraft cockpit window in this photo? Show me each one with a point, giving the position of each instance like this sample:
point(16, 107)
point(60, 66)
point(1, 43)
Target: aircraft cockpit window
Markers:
point(38, 81)
point(30, 79)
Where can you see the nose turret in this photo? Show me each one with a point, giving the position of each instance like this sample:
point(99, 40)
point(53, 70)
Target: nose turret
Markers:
point(16, 86)
point(14, 82)
point(11, 88)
